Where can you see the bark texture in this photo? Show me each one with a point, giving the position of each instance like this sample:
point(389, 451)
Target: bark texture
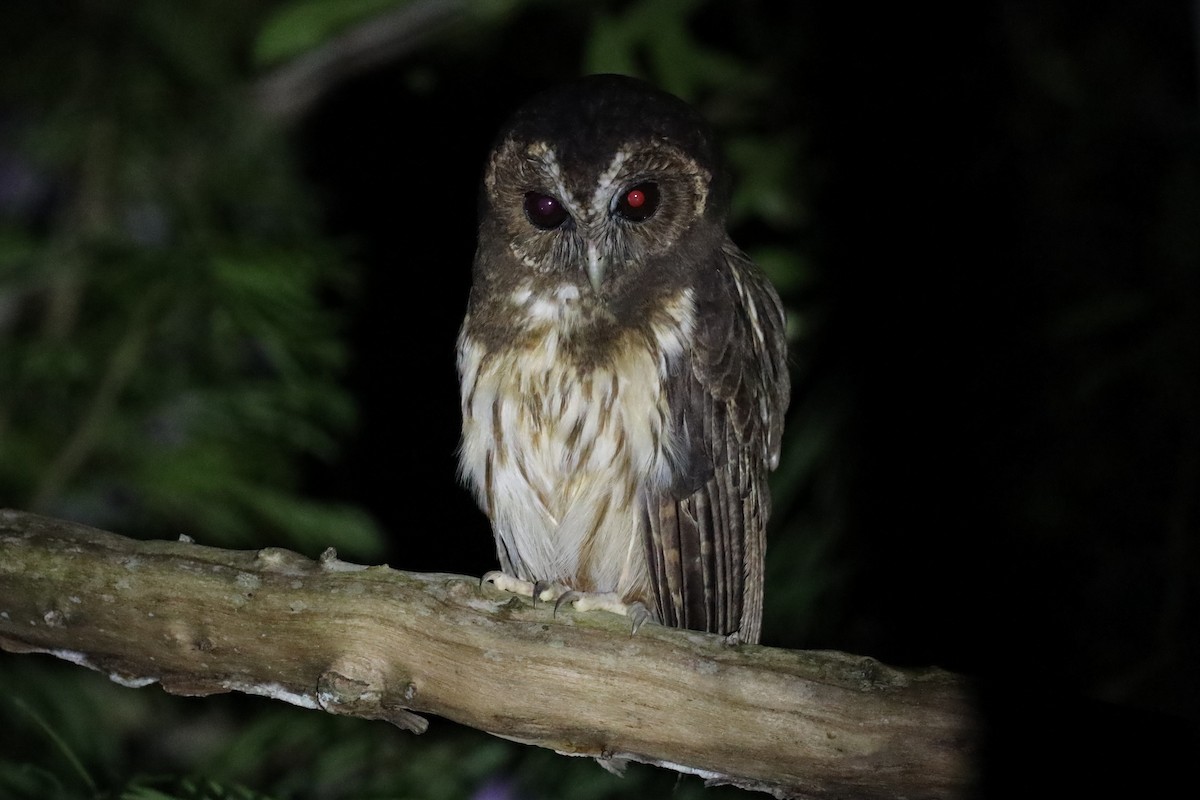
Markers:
point(378, 643)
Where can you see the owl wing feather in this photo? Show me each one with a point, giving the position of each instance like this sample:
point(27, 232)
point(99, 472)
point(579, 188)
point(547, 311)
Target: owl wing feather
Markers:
point(705, 535)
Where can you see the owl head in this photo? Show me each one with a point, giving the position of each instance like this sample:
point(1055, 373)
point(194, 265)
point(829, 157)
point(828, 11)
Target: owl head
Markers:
point(605, 184)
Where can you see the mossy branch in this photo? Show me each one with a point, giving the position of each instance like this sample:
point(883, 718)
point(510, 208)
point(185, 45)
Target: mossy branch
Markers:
point(377, 643)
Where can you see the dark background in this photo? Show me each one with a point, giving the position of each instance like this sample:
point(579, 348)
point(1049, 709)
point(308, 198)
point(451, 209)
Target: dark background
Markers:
point(990, 248)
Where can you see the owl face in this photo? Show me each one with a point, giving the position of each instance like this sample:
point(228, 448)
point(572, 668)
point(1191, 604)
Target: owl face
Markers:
point(600, 197)
point(594, 225)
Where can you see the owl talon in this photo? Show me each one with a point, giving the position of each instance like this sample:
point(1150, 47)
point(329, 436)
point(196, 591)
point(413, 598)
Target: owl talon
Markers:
point(606, 601)
point(569, 598)
point(547, 591)
point(638, 614)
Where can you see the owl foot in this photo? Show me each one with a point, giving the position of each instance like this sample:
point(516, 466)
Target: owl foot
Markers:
point(547, 591)
point(605, 601)
point(537, 590)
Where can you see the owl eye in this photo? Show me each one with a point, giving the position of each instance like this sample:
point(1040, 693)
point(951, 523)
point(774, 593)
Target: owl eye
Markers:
point(544, 211)
point(639, 203)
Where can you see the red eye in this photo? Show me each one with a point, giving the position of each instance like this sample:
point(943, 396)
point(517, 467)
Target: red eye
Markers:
point(544, 211)
point(639, 203)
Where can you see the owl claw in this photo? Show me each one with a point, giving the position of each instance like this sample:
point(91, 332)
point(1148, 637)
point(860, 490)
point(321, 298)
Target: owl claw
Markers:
point(606, 601)
point(547, 591)
point(638, 615)
point(569, 597)
point(536, 590)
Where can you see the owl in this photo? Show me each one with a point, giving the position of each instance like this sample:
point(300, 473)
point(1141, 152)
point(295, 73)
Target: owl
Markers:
point(622, 364)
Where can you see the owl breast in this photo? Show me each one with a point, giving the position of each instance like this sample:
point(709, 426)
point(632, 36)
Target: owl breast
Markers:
point(560, 445)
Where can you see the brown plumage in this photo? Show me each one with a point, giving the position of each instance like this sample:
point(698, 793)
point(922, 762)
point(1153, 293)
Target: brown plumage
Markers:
point(622, 363)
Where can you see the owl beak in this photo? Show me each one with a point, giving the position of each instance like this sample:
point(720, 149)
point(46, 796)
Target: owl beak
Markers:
point(597, 266)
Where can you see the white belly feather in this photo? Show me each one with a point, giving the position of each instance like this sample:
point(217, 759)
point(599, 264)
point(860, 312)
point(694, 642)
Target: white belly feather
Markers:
point(560, 454)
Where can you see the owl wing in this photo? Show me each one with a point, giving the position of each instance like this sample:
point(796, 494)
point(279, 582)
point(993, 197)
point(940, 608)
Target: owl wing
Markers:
point(705, 535)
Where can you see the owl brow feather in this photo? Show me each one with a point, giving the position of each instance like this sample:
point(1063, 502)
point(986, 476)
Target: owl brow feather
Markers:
point(602, 197)
point(543, 159)
point(660, 155)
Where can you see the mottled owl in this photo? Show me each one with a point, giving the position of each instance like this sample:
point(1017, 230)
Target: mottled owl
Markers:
point(622, 364)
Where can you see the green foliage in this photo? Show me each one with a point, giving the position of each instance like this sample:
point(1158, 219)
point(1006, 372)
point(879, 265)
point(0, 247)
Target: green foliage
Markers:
point(169, 352)
point(296, 27)
point(50, 712)
point(656, 36)
point(656, 39)
point(187, 789)
point(768, 169)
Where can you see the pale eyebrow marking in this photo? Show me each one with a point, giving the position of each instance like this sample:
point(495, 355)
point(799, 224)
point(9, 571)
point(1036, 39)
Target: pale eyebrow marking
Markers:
point(547, 159)
point(603, 193)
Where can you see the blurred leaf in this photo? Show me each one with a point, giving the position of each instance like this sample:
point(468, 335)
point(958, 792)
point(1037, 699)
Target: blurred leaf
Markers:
point(767, 170)
point(17, 250)
point(64, 726)
point(610, 48)
point(23, 781)
point(656, 36)
point(63, 749)
point(786, 267)
point(305, 24)
point(187, 788)
point(314, 526)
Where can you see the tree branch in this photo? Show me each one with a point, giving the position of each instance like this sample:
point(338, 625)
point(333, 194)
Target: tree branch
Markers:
point(292, 89)
point(376, 643)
